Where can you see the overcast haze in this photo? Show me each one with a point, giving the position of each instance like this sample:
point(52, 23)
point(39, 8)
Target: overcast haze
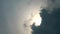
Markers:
point(15, 12)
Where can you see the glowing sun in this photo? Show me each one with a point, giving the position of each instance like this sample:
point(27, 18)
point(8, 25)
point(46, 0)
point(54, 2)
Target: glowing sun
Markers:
point(37, 20)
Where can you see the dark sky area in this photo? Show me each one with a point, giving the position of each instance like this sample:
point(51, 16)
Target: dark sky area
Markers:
point(50, 22)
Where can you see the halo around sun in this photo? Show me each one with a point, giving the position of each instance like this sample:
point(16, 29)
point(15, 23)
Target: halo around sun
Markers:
point(37, 20)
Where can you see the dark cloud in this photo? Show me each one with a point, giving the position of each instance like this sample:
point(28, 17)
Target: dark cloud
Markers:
point(50, 4)
point(50, 22)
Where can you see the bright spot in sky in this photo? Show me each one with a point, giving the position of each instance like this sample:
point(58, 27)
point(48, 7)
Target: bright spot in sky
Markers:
point(37, 20)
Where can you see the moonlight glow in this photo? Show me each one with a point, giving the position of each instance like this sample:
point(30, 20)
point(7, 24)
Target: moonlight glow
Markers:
point(37, 19)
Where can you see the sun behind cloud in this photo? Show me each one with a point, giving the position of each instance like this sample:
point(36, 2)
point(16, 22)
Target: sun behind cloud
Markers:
point(37, 20)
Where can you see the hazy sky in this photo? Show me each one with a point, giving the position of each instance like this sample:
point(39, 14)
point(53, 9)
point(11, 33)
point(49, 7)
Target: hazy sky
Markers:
point(25, 9)
point(15, 12)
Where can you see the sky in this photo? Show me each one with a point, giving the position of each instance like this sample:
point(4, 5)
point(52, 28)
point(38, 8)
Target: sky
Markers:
point(15, 13)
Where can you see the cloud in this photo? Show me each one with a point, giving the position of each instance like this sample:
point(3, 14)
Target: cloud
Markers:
point(50, 18)
point(50, 4)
